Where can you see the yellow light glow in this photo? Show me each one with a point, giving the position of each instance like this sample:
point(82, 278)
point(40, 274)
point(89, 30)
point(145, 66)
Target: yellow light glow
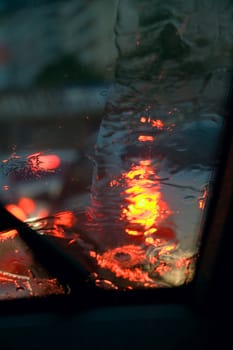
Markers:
point(143, 197)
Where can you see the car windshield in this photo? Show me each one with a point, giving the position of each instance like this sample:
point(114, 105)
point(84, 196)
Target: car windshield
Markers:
point(111, 119)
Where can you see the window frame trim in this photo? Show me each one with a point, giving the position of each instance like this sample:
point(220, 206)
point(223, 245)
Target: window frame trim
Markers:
point(197, 293)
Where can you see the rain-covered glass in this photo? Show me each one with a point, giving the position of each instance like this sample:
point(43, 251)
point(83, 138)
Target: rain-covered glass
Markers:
point(111, 115)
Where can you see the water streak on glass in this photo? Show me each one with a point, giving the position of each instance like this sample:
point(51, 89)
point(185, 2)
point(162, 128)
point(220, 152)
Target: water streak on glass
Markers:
point(121, 166)
point(156, 148)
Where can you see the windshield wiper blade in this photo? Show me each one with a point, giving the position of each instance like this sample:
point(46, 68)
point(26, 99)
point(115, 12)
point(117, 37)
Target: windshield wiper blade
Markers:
point(61, 265)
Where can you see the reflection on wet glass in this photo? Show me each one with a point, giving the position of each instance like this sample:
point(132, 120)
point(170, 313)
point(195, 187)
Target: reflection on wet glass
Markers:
point(157, 145)
point(126, 175)
point(20, 274)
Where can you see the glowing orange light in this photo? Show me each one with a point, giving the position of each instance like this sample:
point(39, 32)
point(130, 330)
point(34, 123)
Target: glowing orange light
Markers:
point(201, 205)
point(114, 183)
point(146, 162)
point(133, 232)
point(149, 240)
point(47, 162)
point(105, 283)
point(27, 205)
point(64, 218)
point(123, 262)
point(145, 138)
point(93, 254)
point(157, 123)
point(143, 119)
point(167, 248)
point(182, 262)
point(8, 235)
point(4, 278)
point(16, 211)
point(61, 221)
point(145, 205)
point(162, 268)
point(72, 241)
point(202, 200)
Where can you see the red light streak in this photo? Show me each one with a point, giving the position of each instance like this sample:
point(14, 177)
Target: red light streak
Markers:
point(123, 263)
point(10, 234)
point(145, 138)
point(58, 224)
point(49, 162)
point(40, 162)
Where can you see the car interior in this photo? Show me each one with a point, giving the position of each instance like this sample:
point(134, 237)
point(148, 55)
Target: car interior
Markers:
point(116, 174)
